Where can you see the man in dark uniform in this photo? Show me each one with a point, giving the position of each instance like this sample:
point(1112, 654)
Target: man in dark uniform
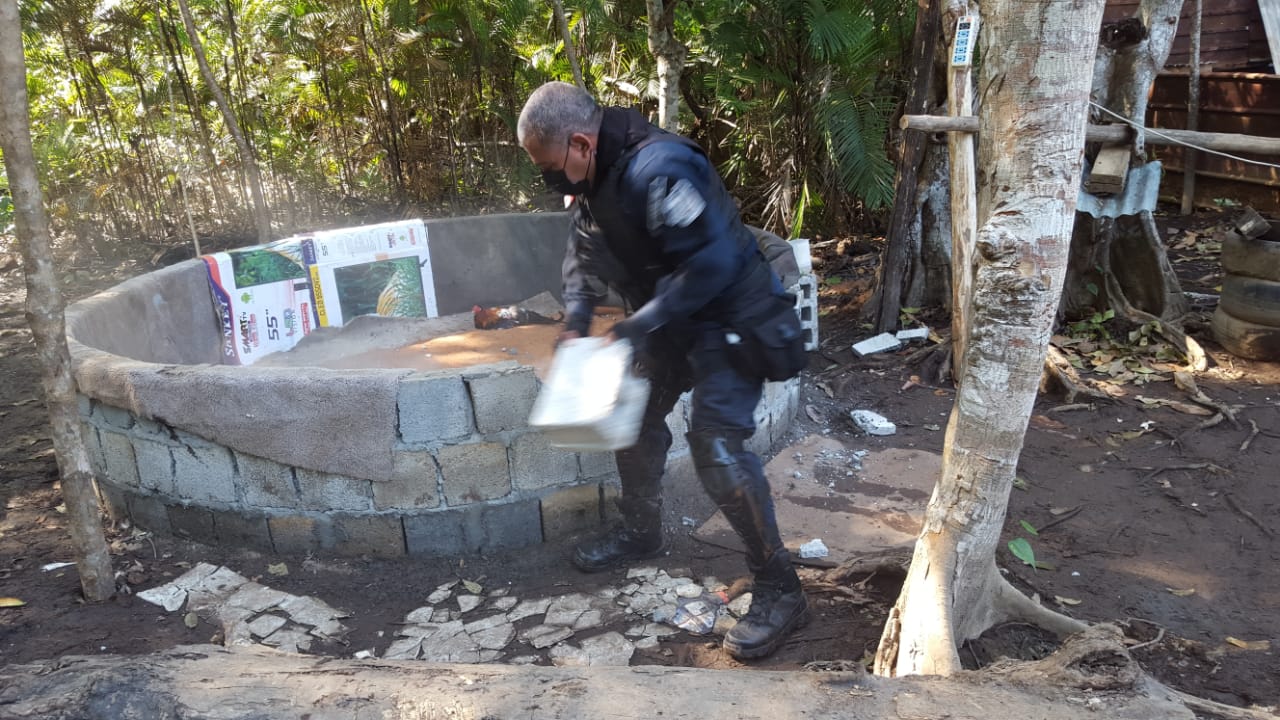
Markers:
point(653, 221)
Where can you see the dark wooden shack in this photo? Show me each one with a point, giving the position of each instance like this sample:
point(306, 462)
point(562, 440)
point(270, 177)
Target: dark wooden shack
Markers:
point(1239, 93)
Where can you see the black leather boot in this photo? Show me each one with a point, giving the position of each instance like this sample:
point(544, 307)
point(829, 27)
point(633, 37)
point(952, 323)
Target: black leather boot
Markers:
point(778, 606)
point(735, 480)
point(638, 537)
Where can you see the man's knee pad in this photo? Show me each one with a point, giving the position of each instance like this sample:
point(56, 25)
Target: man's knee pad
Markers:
point(712, 448)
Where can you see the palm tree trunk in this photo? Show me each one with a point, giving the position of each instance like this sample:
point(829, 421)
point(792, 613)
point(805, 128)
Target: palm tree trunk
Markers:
point(261, 215)
point(45, 314)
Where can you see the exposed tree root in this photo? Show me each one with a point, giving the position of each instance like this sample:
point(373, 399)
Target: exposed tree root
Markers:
point(1231, 712)
point(890, 562)
point(1012, 604)
point(1248, 515)
point(1092, 659)
point(1187, 383)
point(1244, 446)
point(1059, 369)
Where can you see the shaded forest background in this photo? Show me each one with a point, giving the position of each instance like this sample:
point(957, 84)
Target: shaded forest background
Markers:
point(392, 108)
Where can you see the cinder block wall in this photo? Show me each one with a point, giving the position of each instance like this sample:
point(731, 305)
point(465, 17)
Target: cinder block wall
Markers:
point(469, 476)
point(438, 463)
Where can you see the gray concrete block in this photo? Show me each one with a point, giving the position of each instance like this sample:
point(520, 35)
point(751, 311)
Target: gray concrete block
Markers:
point(474, 473)
point(326, 491)
point(536, 465)
point(596, 464)
point(148, 512)
point(569, 511)
point(883, 342)
point(296, 534)
point(509, 525)
point(265, 483)
point(185, 438)
point(152, 430)
point(414, 483)
point(113, 416)
point(433, 407)
point(240, 529)
point(118, 458)
point(204, 474)
point(468, 530)
point(437, 534)
point(379, 536)
point(192, 523)
point(155, 466)
point(114, 500)
point(502, 401)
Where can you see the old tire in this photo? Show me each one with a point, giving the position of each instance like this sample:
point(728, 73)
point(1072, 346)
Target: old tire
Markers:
point(1246, 339)
point(1251, 299)
point(1251, 257)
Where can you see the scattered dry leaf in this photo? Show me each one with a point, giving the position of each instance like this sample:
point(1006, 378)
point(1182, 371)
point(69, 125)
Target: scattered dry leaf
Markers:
point(11, 602)
point(191, 620)
point(813, 413)
point(826, 388)
point(472, 587)
point(1047, 423)
point(1182, 593)
point(278, 569)
point(1249, 644)
point(1065, 600)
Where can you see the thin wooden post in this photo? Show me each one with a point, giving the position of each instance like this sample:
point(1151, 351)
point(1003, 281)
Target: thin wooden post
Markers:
point(964, 191)
point(1193, 111)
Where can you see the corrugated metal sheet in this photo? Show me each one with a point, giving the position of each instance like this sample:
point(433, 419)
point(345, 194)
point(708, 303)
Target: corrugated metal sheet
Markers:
point(1232, 33)
point(1141, 191)
point(1271, 21)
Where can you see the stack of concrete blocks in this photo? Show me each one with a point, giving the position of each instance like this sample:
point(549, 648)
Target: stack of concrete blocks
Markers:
point(468, 475)
point(806, 292)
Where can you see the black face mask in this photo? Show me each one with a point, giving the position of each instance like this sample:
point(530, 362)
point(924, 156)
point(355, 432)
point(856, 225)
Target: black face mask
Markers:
point(559, 182)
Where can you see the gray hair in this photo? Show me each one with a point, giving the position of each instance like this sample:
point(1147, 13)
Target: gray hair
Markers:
point(555, 111)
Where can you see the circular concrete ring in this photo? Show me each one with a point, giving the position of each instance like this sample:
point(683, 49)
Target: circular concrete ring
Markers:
point(1246, 339)
point(1251, 299)
point(1251, 257)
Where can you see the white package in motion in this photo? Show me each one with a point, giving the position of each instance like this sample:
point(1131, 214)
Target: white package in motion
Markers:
point(591, 401)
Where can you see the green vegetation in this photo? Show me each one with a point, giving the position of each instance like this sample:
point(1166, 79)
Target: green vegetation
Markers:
point(377, 108)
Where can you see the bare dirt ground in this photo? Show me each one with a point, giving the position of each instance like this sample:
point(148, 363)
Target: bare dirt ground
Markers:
point(1174, 540)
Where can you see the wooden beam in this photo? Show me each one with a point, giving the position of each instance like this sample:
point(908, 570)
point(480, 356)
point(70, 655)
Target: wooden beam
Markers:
point(1222, 142)
point(1109, 172)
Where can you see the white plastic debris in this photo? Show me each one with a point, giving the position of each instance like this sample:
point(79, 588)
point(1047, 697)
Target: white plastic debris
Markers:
point(873, 423)
point(913, 334)
point(883, 342)
point(815, 548)
point(55, 565)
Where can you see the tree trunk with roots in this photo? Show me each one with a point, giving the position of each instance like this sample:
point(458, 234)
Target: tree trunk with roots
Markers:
point(261, 215)
point(1120, 263)
point(45, 315)
point(670, 55)
point(1034, 85)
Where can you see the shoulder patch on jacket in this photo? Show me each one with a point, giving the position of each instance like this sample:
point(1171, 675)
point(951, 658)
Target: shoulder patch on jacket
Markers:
point(677, 207)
